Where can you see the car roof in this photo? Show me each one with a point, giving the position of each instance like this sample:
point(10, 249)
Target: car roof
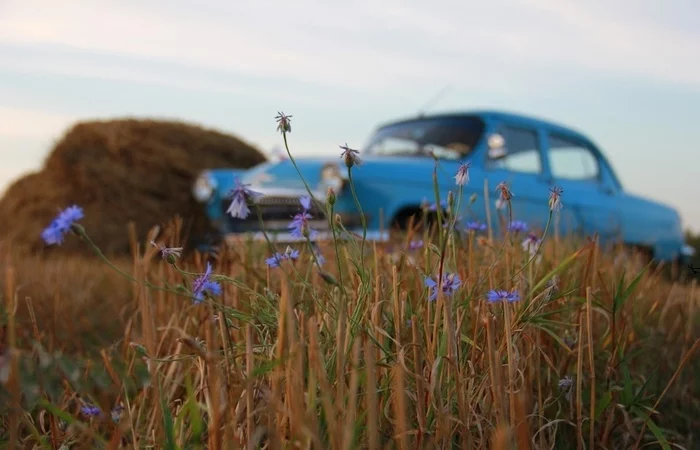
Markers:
point(496, 115)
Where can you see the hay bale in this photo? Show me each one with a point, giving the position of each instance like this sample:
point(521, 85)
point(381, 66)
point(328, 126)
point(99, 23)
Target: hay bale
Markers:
point(119, 171)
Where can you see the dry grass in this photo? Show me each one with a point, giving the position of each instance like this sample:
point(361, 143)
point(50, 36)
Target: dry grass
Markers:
point(597, 353)
point(298, 364)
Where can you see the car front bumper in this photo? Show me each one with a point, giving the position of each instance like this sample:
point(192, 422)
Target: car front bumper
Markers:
point(272, 214)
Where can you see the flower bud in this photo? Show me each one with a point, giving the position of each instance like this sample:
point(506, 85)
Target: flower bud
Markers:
point(330, 196)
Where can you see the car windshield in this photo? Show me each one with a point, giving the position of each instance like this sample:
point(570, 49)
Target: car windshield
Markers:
point(449, 138)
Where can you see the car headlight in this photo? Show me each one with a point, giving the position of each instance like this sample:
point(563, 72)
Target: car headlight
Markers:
point(203, 187)
point(332, 177)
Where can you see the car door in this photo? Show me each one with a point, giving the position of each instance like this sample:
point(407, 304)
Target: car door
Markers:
point(515, 156)
point(576, 166)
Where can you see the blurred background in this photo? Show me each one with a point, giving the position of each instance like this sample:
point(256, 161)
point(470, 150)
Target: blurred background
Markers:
point(626, 73)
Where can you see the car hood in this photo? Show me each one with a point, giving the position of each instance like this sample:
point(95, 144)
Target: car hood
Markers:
point(283, 174)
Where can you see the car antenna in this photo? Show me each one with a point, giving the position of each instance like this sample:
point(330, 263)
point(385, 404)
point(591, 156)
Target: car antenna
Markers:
point(433, 101)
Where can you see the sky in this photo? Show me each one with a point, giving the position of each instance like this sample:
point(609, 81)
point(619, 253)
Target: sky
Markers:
point(625, 73)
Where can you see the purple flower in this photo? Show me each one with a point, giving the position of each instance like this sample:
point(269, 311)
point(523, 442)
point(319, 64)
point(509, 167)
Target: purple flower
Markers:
point(350, 156)
point(203, 285)
point(283, 123)
point(462, 176)
point(443, 205)
point(56, 231)
point(531, 243)
point(476, 226)
point(116, 413)
point(566, 385)
point(414, 245)
point(518, 226)
point(555, 198)
point(241, 196)
point(91, 410)
point(276, 259)
point(504, 193)
point(448, 223)
point(500, 295)
point(305, 201)
point(450, 283)
point(317, 251)
point(299, 225)
point(168, 253)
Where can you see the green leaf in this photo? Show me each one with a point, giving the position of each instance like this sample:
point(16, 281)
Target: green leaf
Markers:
point(655, 430)
point(466, 340)
point(563, 265)
point(621, 297)
point(628, 389)
point(169, 427)
point(602, 404)
point(196, 427)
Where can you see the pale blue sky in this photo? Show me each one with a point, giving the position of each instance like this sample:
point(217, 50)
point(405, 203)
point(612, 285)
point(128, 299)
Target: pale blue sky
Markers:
point(626, 73)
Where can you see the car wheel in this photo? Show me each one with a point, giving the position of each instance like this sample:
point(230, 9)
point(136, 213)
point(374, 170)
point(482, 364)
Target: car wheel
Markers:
point(634, 257)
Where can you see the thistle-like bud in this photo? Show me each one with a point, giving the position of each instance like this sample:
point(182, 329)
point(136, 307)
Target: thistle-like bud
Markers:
point(283, 123)
point(328, 278)
point(450, 200)
point(472, 199)
point(330, 196)
point(338, 220)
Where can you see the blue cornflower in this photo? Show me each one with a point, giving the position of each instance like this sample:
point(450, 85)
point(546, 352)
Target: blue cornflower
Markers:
point(462, 176)
point(450, 283)
point(448, 222)
point(91, 410)
point(476, 226)
point(203, 285)
point(517, 226)
point(443, 205)
point(500, 295)
point(116, 413)
point(317, 251)
point(305, 201)
point(531, 243)
point(241, 196)
point(56, 231)
point(276, 259)
point(299, 225)
point(414, 245)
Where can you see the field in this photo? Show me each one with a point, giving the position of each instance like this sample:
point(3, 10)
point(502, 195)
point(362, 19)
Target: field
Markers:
point(567, 346)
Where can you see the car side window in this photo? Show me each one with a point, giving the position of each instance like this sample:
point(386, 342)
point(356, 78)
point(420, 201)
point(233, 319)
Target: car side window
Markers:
point(572, 160)
point(516, 150)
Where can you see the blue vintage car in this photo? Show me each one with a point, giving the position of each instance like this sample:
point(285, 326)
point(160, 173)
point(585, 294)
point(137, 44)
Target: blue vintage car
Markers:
point(531, 155)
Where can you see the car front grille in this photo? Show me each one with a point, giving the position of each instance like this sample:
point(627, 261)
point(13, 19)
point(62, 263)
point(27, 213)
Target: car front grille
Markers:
point(277, 213)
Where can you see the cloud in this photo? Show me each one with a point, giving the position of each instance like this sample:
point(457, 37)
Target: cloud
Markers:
point(366, 46)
